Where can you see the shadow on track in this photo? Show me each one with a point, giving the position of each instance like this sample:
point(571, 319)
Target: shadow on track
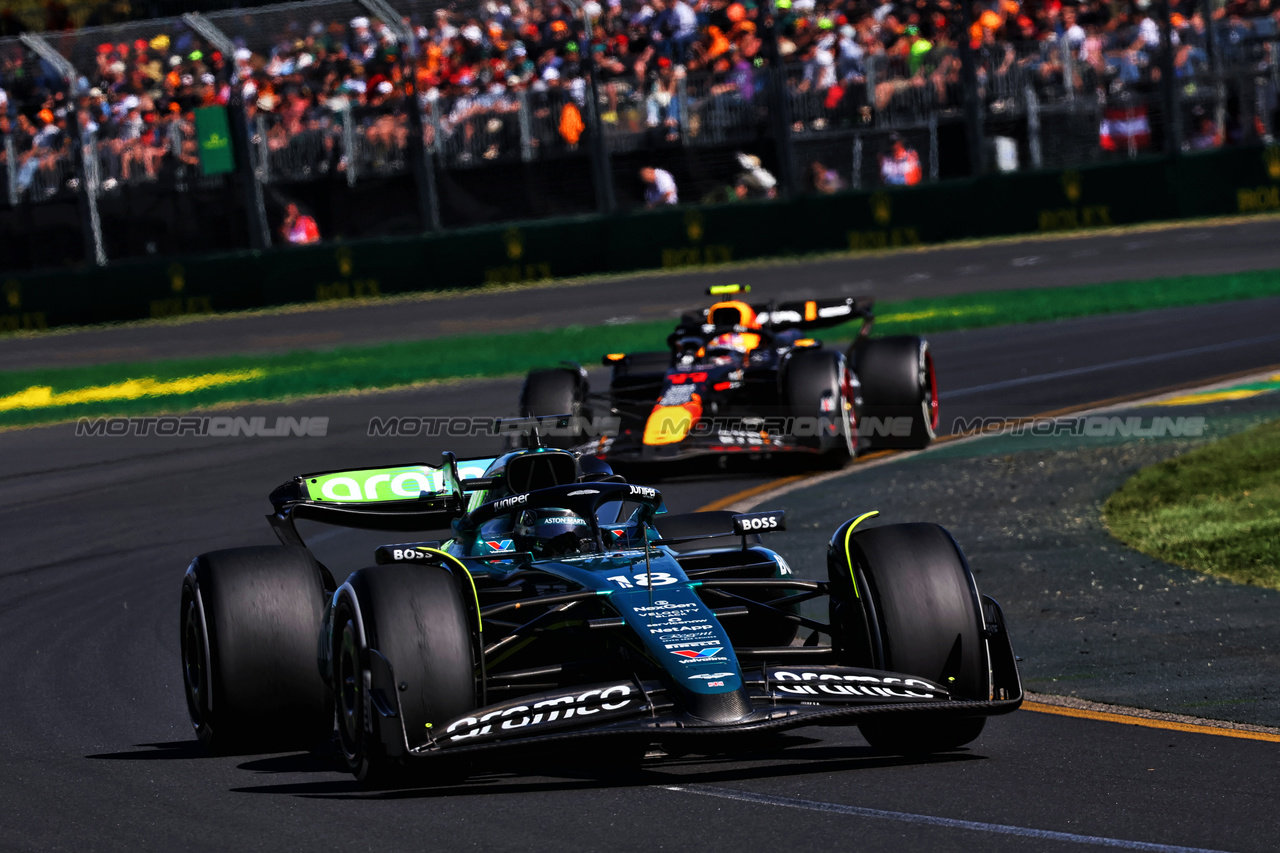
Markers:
point(528, 774)
point(177, 750)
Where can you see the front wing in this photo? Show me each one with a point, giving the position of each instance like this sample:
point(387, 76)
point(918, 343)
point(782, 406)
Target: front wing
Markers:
point(739, 442)
point(781, 697)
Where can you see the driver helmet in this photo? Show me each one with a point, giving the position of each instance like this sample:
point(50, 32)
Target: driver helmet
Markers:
point(740, 341)
point(552, 532)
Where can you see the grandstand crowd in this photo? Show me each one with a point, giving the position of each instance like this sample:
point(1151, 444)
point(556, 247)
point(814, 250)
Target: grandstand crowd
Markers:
point(333, 94)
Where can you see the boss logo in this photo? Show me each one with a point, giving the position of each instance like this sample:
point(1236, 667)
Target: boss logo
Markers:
point(759, 522)
point(407, 554)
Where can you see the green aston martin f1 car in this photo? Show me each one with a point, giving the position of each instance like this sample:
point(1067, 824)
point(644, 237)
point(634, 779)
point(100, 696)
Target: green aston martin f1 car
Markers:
point(563, 603)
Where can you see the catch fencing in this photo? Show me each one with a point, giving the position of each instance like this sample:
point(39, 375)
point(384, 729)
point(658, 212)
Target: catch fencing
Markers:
point(96, 170)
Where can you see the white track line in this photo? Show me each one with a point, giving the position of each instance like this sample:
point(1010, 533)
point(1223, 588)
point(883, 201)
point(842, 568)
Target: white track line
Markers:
point(747, 504)
point(930, 820)
point(1094, 368)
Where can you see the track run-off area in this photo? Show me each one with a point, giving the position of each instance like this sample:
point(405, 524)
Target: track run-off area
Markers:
point(1152, 720)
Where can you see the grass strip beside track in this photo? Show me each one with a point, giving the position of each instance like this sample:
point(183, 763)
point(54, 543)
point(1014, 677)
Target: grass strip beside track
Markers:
point(48, 395)
point(1214, 510)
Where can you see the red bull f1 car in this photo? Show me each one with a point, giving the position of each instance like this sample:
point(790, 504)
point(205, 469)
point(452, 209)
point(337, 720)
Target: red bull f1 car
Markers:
point(739, 378)
point(567, 605)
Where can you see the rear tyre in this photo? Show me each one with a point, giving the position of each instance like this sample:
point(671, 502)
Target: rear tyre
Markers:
point(817, 384)
point(249, 622)
point(636, 384)
point(903, 600)
point(414, 617)
point(559, 391)
point(898, 382)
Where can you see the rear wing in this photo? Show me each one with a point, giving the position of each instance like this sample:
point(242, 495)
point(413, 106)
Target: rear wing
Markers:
point(816, 313)
point(402, 497)
point(804, 315)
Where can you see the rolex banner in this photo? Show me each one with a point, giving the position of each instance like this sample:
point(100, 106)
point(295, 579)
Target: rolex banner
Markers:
point(215, 141)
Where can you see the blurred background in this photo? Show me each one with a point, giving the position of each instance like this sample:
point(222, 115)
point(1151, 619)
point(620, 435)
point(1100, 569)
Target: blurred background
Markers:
point(141, 128)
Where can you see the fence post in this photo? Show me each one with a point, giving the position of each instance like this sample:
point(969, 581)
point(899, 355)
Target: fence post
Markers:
point(421, 165)
point(1168, 87)
point(933, 146)
point(871, 87)
point(93, 183)
point(855, 179)
point(11, 157)
point(1210, 37)
point(682, 107)
point(1033, 129)
point(175, 147)
point(526, 129)
point(1068, 69)
point(262, 151)
point(605, 201)
point(349, 145)
point(969, 79)
point(86, 201)
point(254, 204)
point(780, 108)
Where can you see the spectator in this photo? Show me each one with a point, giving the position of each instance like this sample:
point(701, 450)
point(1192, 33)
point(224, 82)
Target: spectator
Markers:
point(756, 181)
point(1204, 133)
point(298, 228)
point(900, 166)
point(825, 180)
point(660, 187)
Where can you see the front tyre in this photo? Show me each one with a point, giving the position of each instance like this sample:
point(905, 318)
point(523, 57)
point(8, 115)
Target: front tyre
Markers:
point(904, 600)
point(249, 621)
point(413, 616)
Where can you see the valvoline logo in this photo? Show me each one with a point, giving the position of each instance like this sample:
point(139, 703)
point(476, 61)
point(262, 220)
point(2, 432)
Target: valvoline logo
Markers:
point(700, 654)
point(499, 544)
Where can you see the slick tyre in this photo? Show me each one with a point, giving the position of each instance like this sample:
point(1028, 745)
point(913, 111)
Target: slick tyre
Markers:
point(898, 385)
point(413, 616)
point(816, 384)
point(560, 391)
point(904, 600)
point(249, 622)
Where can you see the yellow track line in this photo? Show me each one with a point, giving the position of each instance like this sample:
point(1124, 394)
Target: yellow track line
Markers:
point(1041, 707)
point(763, 488)
point(1148, 722)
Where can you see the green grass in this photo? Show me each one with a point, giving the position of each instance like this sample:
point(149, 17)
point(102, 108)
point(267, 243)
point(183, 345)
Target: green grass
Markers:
point(1214, 510)
point(308, 373)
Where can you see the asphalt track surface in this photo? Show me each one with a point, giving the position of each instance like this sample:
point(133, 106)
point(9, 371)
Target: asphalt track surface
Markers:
point(98, 753)
point(1079, 258)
